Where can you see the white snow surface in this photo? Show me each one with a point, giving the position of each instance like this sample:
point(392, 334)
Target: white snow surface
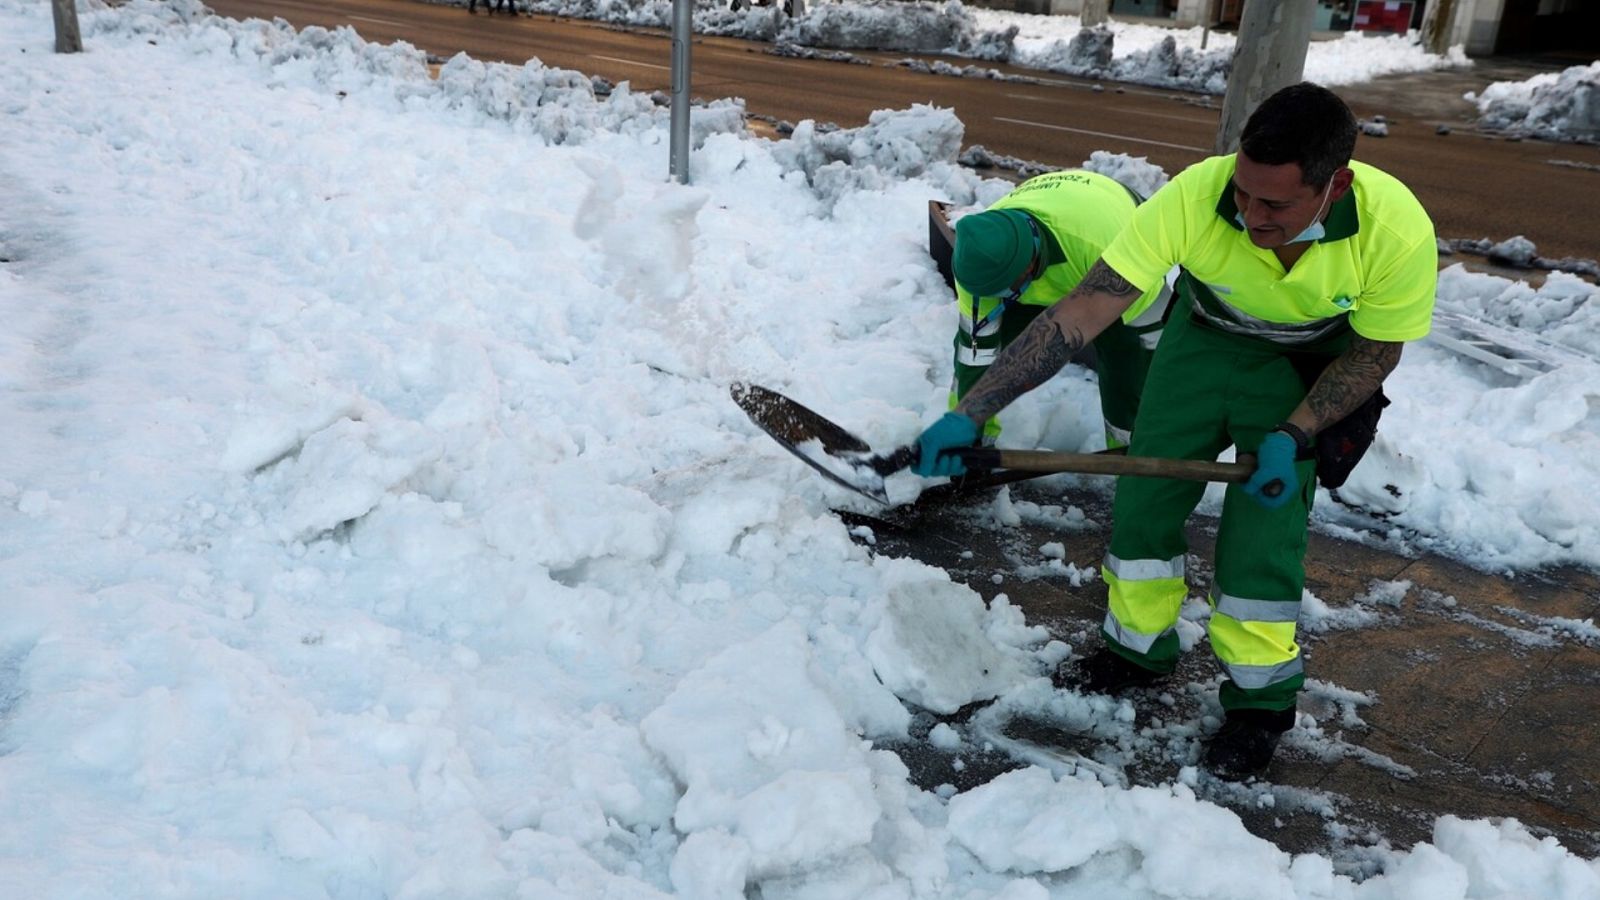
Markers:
point(374, 520)
point(1561, 105)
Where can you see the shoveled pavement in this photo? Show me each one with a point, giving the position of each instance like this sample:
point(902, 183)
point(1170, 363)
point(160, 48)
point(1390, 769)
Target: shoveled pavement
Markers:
point(1474, 694)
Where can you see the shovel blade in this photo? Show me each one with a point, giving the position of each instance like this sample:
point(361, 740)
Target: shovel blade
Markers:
point(838, 455)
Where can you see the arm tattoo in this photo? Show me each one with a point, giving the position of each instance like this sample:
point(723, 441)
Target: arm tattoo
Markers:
point(1038, 353)
point(1105, 279)
point(1351, 379)
point(1044, 346)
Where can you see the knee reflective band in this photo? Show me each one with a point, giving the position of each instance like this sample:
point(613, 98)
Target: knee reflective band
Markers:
point(1254, 640)
point(1145, 596)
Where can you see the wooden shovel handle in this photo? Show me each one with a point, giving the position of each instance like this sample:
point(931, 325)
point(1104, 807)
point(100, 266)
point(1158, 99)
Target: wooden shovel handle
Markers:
point(1107, 464)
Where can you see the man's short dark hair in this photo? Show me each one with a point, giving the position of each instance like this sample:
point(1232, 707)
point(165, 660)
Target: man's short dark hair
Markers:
point(1304, 123)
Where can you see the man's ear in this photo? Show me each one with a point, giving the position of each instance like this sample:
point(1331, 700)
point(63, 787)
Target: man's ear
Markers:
point(1342, 179)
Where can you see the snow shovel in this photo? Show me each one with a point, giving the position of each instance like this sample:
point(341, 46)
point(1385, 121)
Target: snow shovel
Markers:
point(846, 460)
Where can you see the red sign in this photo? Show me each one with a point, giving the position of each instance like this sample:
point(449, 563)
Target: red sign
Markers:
point(1392, 16)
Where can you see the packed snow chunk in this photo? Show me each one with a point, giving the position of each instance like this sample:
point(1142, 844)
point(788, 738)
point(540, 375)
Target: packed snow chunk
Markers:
point(1385, 481)
point(1024, 821)
point(1318, 617)
point(1518, 250)
point(572, 516)
point(914, 27)
point(944, 737)
point(931, 647)
point(343, 471)
point(260, 438)
point(1090, 50)
point(1422, 874)
point(1554, 105)
point(1167, 842)
point(1137, 173)
point(764, 755)
point(895, 143)
point(781, 819)
point(1386, 593)
point(1504, 860)
point(711, 865)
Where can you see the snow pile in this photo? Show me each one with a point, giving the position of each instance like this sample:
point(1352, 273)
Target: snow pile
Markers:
point(1564, 309)
point(1137, 53)
point(1495, 470)
point(894, 145)
point(1173, 57)
point(1519, 252)
point(1164, 64)
point(375, 522)
point(1553, 105)
point(918, 27)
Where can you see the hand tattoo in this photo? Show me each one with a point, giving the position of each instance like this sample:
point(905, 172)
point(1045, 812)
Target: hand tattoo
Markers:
point(1351, 379)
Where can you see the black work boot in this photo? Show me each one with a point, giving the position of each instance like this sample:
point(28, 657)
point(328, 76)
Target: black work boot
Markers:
point(1244, 745)
point(1106, 672)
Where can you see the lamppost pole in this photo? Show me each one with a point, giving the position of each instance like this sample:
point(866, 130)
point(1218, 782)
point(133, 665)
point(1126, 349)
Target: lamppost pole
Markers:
point(682, 30)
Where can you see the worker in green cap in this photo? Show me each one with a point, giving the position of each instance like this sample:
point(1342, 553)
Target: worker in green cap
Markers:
point(1015, 259)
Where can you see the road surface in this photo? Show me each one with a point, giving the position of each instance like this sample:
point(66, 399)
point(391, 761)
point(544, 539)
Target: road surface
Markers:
point(1473, 185)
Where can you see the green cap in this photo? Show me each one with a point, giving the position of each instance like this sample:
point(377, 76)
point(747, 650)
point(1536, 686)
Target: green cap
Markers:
point(993, 249)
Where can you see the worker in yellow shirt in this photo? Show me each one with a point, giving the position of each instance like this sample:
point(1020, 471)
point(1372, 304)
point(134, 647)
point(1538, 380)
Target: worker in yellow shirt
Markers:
point(1015, 259)
point(1304, 275)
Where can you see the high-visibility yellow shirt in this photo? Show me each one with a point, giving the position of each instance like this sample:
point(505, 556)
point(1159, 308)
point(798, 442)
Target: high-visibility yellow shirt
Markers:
point(1082, 212)
point(1378, 264)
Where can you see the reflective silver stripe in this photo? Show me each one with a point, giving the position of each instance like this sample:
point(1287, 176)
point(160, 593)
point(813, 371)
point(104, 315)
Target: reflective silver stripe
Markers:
point(987, 329)
point(1254, 678)
point(976, 356)
point(1229, 318)
point(1144, 569)
point(1136, 641)
point(1247, 610)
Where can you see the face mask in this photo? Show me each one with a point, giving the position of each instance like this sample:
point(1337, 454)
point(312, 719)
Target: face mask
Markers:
point(1314, 231)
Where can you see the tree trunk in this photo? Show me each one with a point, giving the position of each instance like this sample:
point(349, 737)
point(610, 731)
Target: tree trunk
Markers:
point(1438, 24)
point(1270, 55)
point(68, 39)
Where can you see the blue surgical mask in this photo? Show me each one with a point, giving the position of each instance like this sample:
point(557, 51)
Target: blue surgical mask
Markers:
point(1313, 232)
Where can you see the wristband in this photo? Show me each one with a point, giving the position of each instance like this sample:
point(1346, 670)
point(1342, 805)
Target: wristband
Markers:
point(1302, 441)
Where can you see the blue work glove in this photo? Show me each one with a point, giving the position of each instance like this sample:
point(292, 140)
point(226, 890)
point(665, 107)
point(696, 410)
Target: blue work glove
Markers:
point(1275, 480)
point(952, 431)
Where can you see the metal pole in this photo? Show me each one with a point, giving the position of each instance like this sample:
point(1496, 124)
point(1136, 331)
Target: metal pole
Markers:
point(68, 38)
point(682, 31)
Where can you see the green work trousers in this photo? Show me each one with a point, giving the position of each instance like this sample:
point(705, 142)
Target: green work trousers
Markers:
point(1121, 361)
point(1206, 390)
